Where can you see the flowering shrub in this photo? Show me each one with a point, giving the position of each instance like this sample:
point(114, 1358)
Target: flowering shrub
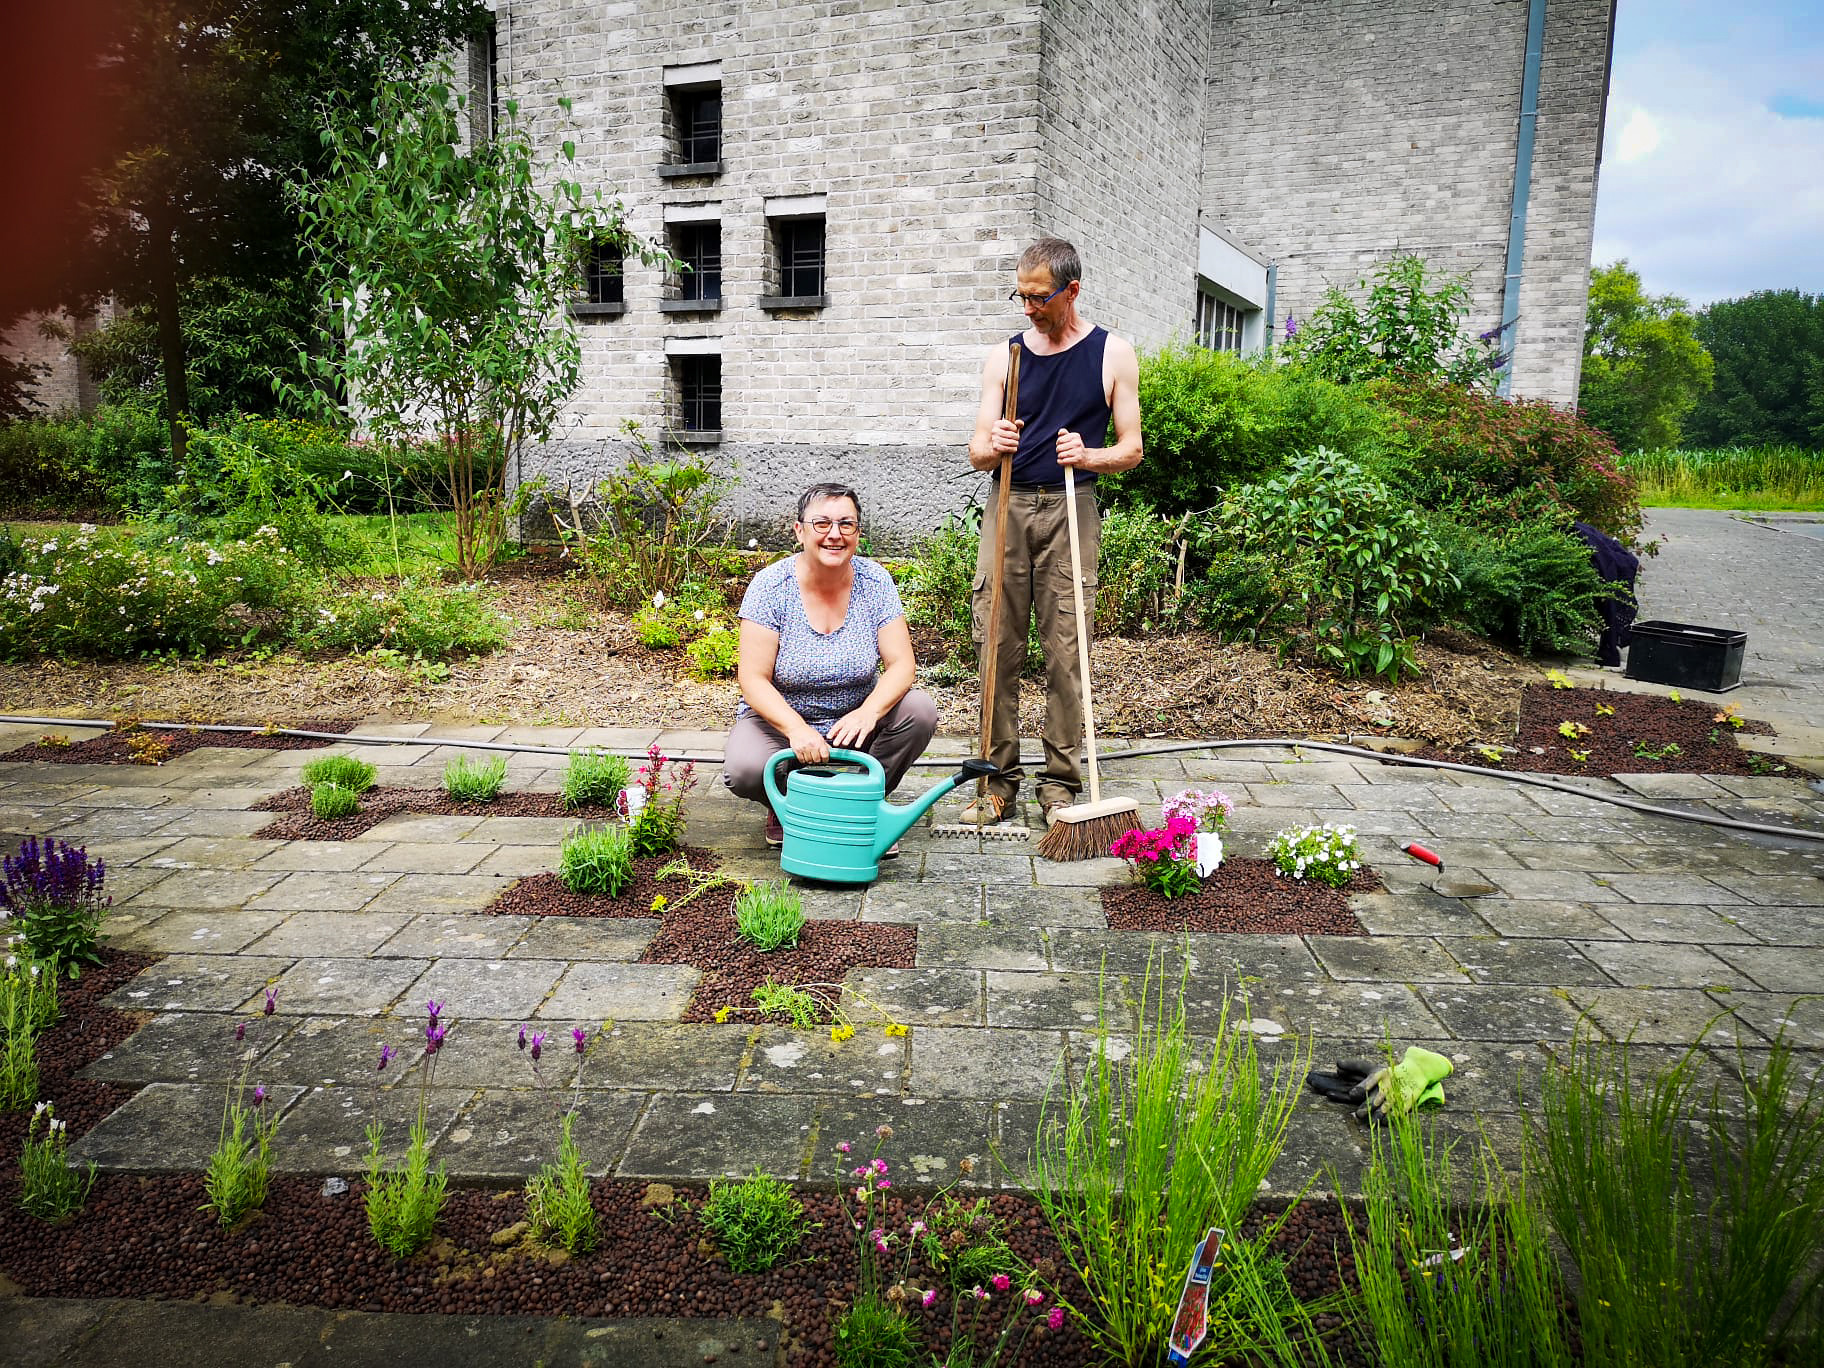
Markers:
point(48, 1187)
point(403, 1202)
point(429, 620)
point(240, 1169)
point(28, 1004)
point(1162, 858)
point(1325, 853)
point(54, 891)
point(659, 825)
point(103, 596)
point(1204, 811)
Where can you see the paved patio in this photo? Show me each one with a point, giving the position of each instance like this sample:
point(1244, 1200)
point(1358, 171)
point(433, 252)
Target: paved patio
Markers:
point(1649, 925)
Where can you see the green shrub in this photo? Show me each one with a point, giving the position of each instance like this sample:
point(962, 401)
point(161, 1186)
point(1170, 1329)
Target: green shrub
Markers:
point(667, 621)
point(770, 915)
point(331, 802)
point(357, 776)
point(559, 1208)
point(657, 827)
point(661, 526)
point(434, 621)
point(113, 459)
point(1239, 594)
point(597, 860)
point(594, 779)
point(1534, 587)
point(1137, 569)
point(755, 1222)
point(1212, 420)
point(55, 895)
point(1408, 323)
point(937, 585)
point(715, 654)
point(475, 781)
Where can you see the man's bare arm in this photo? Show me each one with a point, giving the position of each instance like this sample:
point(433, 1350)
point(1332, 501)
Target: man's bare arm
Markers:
point(994, 437)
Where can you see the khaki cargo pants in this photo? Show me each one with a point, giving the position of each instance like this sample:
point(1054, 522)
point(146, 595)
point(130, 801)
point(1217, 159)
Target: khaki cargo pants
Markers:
point(1036, 579)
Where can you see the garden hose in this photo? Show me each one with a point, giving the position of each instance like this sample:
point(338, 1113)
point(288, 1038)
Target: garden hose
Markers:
point(942, 762)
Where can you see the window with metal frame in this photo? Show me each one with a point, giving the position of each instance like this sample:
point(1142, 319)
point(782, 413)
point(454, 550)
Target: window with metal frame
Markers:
point(699, 392)
point(699, 247)
point(800, 242)
point(603, 274)
point(699, 122)
point(1219, 323)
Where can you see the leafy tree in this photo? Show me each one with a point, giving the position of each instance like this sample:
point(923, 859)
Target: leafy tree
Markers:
point(445, 267)
point(211, 105)
point(1409, 323)
point(1643, 367)
point(1768, 347)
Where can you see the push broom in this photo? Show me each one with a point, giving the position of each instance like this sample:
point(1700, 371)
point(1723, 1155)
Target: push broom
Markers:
point(1083, 831)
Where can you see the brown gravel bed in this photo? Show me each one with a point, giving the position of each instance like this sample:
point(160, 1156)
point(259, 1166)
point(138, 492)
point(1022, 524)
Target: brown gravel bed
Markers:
point(1614, 743)
point(702, 935)
point(1245, 895)
point(111, 748)
point(378, 804)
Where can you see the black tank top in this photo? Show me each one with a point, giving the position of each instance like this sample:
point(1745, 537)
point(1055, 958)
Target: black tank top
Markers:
point(1063, 390)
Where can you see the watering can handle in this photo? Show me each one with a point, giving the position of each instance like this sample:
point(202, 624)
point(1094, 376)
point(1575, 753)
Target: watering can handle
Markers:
point(769, 775)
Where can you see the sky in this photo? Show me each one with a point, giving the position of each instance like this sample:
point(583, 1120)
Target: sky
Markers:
point(1712, 180)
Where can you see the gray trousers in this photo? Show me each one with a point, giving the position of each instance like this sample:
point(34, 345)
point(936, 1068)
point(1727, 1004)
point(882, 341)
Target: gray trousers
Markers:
point(900, 739)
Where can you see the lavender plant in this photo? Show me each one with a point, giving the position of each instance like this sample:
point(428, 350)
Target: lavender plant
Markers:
point(48, 1187)
point(403, 1203)
point(54, 892)
point(559, 1208)
point(240, 1169)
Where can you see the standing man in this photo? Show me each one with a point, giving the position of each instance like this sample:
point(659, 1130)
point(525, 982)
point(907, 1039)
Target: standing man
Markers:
point(1074, 379)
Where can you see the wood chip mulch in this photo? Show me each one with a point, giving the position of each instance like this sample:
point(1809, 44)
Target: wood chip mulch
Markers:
point(702, 934)
point(1631, 734)
point(378, 804)
point(115, 747)
point(1246, 895)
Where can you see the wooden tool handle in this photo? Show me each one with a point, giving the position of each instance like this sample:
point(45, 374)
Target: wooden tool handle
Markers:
point(1076, 586)
point(992, 642)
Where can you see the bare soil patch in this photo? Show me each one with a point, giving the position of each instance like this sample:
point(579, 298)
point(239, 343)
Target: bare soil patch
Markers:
point(115, 747)
point(299, 824)
point(1245, 895)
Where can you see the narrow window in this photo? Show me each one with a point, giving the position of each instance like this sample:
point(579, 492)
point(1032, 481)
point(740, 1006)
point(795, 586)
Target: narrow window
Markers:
point(699, 247)
point(602, 274)
point(698, 115)
point(699, 392)
point(800, 257)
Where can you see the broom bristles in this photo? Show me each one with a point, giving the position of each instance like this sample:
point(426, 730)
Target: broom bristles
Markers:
point(1085, 831)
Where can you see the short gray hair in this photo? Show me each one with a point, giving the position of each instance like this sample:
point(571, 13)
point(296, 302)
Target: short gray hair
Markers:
point(1056, 256)
point(828, 491)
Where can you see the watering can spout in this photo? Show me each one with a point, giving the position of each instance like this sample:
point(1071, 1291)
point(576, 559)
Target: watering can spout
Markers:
point(896, 821)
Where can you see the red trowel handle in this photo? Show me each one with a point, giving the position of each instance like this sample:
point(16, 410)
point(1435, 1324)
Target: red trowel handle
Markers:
point(1418, 852)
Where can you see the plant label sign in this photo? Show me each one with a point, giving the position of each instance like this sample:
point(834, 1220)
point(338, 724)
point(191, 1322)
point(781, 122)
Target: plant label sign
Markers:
point(1192, 1322)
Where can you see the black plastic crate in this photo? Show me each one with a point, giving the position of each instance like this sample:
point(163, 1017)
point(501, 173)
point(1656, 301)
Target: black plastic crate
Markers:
point(1686, 657)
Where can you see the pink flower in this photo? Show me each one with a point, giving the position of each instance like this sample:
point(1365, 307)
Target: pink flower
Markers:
point(842, 1147)
point(1001, 1282)
point(883, 1184)
point(1034, 1296)
point(929, 1297)
point(880, 1166)
point(1055, 1320)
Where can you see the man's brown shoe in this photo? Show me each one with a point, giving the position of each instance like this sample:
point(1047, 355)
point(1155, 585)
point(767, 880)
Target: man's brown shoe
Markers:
point(984, 811)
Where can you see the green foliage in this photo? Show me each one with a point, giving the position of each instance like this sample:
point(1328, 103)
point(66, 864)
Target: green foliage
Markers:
point(112, 459)
point(332, 802)
point(594, 779)
point(1326, 853)
point(966, 1242)
point(446, 263)
point(1240, 592)
point(475, 781)
point(1408, 324)
point(1643, 367)
point(755, 1222)
point(1359, 558)
point(1494, 463)
point(357, 776)
point(1696, 1224)
point(785, 1000)
point(937, 583)
point(48, 1187)
point(715, 654)
point(770, 915)
point(1212, 420)
point(435, 621)
point(1153, 1147)
point(1138, 566)
point(108, 597)
point(873, 1333)
point(403, 1203)
point(28, 1004)
point(597, 860)
point(658, 827)
point(660, 533)
point(1532, 587)
point(240, 1168)
point(559, 1209)
point(1769, 387)
point(1446, 1281)
point(1771, 477)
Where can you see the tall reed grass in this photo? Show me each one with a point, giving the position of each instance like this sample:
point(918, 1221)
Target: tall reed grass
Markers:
point(1752, 478)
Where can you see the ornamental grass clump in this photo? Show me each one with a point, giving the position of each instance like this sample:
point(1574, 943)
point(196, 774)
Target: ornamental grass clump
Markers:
point(332, 802)
point(403, 1202)
point(240, 1169)
point(594, 779)
point(1326, 854)
point(597, 860)
point(28, 1004)
point(344, 771)
point(475, 781)
point(49, 1188)
point(770, 915)
point(755, 1222)
point(1164, 859)
point(53, 892)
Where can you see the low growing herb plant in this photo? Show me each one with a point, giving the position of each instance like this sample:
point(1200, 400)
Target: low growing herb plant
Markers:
point(48, 1187)
point(965, 1242)
point(403, 1202)
point(330, 802)
point(558, 1206)
point(755, 1222)
point(28, 1004)
point(344, 771)
point(658, 826)
point(597, 860)
point(55, 894)
point(475, 781)
point(240, 1169)
point(1326, 853)
point(770, 915)
point(594, 779)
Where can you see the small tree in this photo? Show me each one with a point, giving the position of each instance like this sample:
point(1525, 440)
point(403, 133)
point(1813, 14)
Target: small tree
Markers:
point(447, 266)
point(1408, 324)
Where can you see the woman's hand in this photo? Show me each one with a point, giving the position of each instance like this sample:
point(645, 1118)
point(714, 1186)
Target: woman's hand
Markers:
point(852, 730)
point(807, 744)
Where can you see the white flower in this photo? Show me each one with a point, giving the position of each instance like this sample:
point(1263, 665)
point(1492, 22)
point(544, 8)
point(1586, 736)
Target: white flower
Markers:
point(658, 599)
point(85, 528)
point(57, 1125)
point(700, 615)
point(348, 475)
point(39, 1107)
point(753, 543)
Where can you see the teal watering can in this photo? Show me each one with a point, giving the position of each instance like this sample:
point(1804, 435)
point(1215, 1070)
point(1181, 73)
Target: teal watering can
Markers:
point(837, 820)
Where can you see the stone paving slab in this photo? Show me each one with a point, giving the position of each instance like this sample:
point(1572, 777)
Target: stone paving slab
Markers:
point(693, 1136)
point(783, 1060)
point(187, 1047)
point(625, 992)
point(169, 1128)
point(621, 939)
point(343, 987)
point(198, 983)
point(507, 1135)
point(214, 933)
point(325, 1131)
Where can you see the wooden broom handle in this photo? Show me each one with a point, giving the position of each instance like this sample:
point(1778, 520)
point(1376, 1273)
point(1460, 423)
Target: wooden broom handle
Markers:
point(1076, 585)
point(991, 666)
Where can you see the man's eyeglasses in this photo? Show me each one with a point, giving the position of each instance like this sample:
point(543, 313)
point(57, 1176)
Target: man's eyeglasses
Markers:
point(1038, 301)
point(824, 526)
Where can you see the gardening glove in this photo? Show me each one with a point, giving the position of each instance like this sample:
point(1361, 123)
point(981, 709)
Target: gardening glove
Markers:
point(1340, 1086)
point(1394, 1090)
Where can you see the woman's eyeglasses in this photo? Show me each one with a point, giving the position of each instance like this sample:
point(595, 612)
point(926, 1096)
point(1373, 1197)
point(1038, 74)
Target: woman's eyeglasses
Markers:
point(824, 526)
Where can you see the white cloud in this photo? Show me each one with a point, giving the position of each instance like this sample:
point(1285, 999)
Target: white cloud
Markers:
point(1639, 136)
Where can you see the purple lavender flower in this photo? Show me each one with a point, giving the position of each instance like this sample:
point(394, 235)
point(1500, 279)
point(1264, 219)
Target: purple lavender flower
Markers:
point(435, 1008)
point(240, 1030)
point(581, 1037)
point(522, 1037)
point(1291, 327)
point(272, 1001)
point(538, 1045)
point(386, 1053)
point(259, 1095)
point(433, 1038)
